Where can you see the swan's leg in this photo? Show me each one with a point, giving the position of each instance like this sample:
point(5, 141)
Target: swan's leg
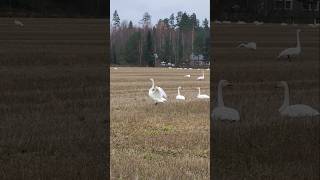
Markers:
point(289, 58)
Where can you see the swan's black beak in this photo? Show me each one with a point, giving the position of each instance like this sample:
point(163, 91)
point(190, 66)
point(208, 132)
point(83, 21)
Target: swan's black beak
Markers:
point(229, 84)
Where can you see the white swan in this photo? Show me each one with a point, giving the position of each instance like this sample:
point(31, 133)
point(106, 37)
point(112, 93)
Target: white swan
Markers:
point(241, 22)
point(202, 96)
point(179, 96)
point(315, 24)
point(226, 22)
point(157, 93)
point(201, 77)
point(283, 24)
point(188, 75)
point(18, 23)
point(257, 23)
point(298, 110)
point(221, 112)
point(248, 45)
point(217, 22)
point(292, 52)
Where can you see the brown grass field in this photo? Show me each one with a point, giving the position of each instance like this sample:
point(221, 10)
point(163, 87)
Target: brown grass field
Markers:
point(53, 99)
point(264, 145)
point(164, 141)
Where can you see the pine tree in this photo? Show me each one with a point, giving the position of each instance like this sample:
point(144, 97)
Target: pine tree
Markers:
point(132, 48)
point(130, 25)
point(146, 20)
point(171, 21)
point(205, 24)
point(116, 19)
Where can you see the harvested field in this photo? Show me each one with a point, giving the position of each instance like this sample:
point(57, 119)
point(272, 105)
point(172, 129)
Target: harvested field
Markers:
point(264, 145)
point(53, 99)
point(164, 141)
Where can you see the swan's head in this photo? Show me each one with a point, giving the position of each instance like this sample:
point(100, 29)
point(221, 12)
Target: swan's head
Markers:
point(225, 83)
point(281, 84)
point(179, 87)
point(298, 30)
point(151, 79)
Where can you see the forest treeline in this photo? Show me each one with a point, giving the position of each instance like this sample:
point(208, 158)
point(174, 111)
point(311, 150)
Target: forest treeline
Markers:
point(173, 39)
point(54, 8)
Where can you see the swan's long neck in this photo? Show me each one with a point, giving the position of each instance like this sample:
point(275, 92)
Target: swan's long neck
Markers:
point(179, 91)
point(286, 98)
point(202, 74)
point(298, 40)
point(199, 91)
point(152, 83)
point(220, 98)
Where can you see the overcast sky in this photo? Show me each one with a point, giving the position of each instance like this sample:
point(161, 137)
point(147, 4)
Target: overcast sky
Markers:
point(158, 9)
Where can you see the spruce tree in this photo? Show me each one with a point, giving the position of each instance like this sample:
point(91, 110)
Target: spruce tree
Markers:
point(116, 19)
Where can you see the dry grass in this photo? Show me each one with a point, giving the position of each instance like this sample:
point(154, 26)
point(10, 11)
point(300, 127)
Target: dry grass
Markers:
point(53, 99)
point(167, 141)
point(264, 145)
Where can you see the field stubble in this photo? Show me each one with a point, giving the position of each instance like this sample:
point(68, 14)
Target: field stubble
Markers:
point(161, 141)
point(264, 145)
point(53, 99)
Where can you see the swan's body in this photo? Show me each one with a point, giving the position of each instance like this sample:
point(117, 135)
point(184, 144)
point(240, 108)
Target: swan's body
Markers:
point(221, 112)
point(188, 75)
point(157, 93)
point(283, 24)
point(298, 110)
point(217, 22)
point(248, 45)
point(115, 68)
point(226, 22)
point(315, 24)
point(241, 22)
point(292, 52)
point(202, 96)
point(18, 23)
point(179, 96)
point(257, 23)
point(201, 77)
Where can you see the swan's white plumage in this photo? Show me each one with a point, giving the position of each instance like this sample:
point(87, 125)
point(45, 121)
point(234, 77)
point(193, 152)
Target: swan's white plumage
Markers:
point(298, 110)
point(248, 45)
point(202, 96)
point(292, 52)
point(315, 24)
point(221, 112)
point(18, 23)
point(225, 113)
point(179, 96)
point(201, 77)
point(241, 22)
point(157, 93)
point(257, 23)
point(226, 22)
point(188, 75)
